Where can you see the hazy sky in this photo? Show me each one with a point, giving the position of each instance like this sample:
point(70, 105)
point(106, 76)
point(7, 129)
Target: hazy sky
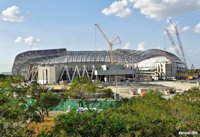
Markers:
point(47, 24)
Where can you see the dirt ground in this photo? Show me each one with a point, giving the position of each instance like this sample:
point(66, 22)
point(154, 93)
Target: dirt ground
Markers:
point(178, 85)
point(47, 125)
point(126, 90)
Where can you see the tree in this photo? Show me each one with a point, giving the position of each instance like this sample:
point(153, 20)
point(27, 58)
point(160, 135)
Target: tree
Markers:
point(146, 116)
point(17, 110)
point(192, 96)
point(14, 114)
point(86, 92)
point(47, 101)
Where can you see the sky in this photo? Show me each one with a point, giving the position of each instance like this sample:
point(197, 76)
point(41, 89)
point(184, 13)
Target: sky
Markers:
point(36, 24)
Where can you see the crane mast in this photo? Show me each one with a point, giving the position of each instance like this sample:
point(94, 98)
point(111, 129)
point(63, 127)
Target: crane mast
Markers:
point(182, 53)
point(110, 43)
point(180, 46)
point(172, 41)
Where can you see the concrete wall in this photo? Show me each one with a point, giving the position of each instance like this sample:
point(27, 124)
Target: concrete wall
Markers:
point(171, 70)
point(47, 74)
point(166, 70)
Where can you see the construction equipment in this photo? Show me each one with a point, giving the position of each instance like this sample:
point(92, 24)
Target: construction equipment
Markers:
point(178, 48)
point(172, 42)
point(110, 43)
point(192, 74)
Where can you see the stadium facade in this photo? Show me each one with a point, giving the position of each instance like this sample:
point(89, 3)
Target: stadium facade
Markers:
point(54, 65)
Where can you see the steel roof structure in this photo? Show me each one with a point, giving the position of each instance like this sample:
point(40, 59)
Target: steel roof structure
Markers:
point(63, 56)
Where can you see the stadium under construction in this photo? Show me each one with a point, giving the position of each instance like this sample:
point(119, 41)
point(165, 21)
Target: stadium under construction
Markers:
point(55, 65)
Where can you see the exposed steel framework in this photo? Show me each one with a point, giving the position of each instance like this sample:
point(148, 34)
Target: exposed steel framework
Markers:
point(24, 60)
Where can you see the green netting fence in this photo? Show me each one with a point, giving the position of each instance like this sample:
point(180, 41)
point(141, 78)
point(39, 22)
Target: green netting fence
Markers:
point(73, 104)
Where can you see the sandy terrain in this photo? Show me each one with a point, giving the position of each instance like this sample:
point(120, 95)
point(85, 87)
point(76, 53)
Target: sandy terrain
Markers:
point(126, 90)
point(178, 85)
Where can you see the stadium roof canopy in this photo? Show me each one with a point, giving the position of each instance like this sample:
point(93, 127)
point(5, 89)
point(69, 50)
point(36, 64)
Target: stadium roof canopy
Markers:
point(62, 56)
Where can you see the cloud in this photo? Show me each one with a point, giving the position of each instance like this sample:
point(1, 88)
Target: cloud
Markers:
point(99, 49)
point(31, 41)
point(171, 49)
point(158, 9)
point(197, 28)
point(155, 9)
point(194, 51)
point(158, 47)
point(171, 29)
point(28, 41)
point(141, 46)
point(12, 14)
point(118, 8)
point(173, 25)
point(19, 40)
point(186, 29)
point(126, 46)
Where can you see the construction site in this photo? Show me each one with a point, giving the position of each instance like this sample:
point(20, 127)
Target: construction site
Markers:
point(58, 66)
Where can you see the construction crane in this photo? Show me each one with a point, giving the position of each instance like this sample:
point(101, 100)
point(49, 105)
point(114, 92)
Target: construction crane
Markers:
point(172, 42)
point(180, 46)
point(110, 43)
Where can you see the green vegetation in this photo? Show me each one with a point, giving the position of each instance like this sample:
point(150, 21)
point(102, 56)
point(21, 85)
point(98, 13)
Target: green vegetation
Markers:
point(86, 92)
point(47, 101)
point(147, 116)
point(16, 112)
point(13, 115)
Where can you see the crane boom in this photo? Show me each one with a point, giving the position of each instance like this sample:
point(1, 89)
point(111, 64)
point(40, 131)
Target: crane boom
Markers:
point(103, 34)
point(172, 42)
point(183, 57)
point(110, 43)
point(180, 46)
